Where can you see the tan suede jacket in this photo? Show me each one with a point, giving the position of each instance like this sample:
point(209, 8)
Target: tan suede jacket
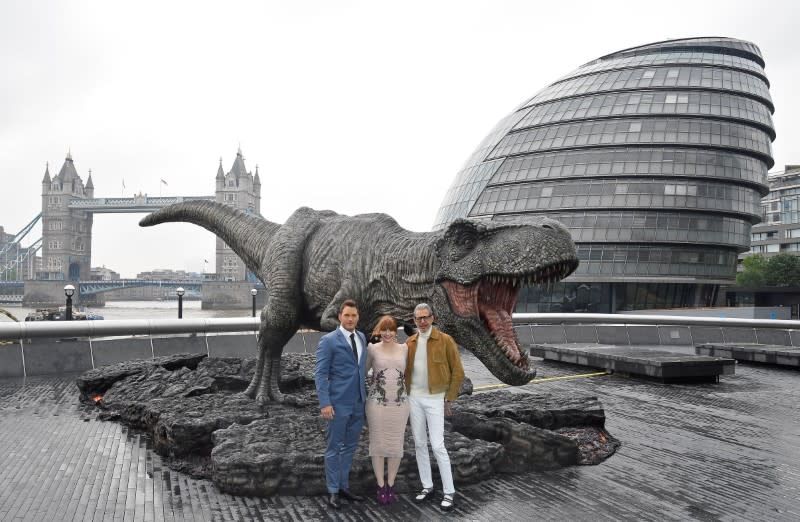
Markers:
point(445, 372)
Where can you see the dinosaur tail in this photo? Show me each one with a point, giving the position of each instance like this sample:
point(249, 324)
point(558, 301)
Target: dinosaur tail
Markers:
point(246, 234)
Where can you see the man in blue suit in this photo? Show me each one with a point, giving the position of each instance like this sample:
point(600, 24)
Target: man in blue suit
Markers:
point(341, 365)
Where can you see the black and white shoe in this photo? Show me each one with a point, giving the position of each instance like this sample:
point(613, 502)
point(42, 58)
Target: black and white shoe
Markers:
point(423, 495)
point(448, 502)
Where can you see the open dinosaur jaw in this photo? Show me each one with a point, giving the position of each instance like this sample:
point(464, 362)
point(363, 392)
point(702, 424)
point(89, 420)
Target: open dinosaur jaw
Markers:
point(489, 302)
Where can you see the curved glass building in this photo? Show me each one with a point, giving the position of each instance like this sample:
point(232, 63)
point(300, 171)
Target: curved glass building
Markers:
point(654, 157)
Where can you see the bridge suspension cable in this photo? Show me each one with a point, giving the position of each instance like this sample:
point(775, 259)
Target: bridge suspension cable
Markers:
point(21, 234)
point(14, 264)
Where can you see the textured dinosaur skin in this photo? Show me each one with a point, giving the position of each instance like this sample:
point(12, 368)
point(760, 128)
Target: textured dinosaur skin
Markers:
point(470, 273)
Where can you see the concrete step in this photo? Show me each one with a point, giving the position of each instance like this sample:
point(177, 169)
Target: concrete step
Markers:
point(651, 362)
point(750, 352)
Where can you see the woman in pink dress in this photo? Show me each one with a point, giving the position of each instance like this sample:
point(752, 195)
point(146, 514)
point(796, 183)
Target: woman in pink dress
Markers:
point(387, 406)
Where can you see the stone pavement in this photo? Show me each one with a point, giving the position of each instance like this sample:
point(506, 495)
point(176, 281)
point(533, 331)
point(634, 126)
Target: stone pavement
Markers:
point(727, 451)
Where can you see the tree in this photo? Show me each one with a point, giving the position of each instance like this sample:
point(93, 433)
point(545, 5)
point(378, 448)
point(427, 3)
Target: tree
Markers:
point(754, 273)
point(783, 270)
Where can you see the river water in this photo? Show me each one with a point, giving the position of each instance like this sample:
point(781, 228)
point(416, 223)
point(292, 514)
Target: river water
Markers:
point(141, 310)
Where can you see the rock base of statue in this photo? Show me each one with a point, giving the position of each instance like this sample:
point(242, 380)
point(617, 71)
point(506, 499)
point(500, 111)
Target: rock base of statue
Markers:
point(199, 420)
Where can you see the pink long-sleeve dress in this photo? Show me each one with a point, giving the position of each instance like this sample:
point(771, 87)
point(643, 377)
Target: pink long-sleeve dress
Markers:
point(387, 399)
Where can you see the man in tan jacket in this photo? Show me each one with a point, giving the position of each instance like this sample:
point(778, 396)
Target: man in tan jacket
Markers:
point(433, 376)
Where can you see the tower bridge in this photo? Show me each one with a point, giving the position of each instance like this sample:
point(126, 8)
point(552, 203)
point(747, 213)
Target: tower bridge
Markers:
point(137, 204)
point(68, 208)
point(86, 288)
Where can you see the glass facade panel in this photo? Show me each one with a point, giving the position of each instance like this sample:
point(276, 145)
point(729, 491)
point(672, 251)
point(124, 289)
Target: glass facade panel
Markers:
point(694, 77)
point(693, 103)
point(604, 298)
point(581, 194)
point(676, 58)
point(667, 131)
point(631, 226)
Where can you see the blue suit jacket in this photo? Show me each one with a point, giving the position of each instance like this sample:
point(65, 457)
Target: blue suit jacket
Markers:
point(339, 380)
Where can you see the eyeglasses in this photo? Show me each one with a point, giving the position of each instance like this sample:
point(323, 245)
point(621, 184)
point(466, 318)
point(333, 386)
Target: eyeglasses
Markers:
point(423, 318)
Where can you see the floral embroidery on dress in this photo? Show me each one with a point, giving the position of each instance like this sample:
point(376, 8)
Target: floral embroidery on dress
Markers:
point(378, 390)
point(402, 397)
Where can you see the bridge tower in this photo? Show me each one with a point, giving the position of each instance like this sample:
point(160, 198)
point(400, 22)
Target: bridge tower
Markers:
point(66, 233)
point(241, 190)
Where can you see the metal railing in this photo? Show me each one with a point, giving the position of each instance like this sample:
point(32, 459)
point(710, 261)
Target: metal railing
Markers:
point(653, 320)
point(106, 328)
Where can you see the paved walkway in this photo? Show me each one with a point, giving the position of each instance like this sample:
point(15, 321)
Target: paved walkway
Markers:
point(727, 451)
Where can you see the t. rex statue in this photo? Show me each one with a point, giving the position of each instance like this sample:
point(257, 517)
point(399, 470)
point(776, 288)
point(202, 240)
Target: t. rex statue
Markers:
point(470, 273)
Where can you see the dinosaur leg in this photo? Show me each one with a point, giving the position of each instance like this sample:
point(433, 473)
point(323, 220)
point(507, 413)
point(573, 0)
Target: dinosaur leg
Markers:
point(258, 372)
point(270, 347)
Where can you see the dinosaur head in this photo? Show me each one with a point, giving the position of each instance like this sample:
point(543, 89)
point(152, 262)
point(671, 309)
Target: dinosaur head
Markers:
point(482, 267)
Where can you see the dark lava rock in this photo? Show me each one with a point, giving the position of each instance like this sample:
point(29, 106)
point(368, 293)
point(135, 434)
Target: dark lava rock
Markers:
point(155, 382)
point(99, 380)
point(188, 374)
point(543, 411)
point(525, 447)
point(198, 419)
point(595, 444)
point(285, 455)
point(465, 388)
point(185, 426)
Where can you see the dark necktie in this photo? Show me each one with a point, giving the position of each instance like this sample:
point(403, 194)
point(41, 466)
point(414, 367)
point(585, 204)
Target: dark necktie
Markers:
point(353, 344)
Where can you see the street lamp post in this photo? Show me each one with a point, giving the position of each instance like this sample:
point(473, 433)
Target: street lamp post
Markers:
point(180, 292)
point(69, 291)
point(254, 292)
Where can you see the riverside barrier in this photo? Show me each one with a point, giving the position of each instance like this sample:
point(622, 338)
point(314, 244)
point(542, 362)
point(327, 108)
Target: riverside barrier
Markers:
point(52, 347)
point(641, 329)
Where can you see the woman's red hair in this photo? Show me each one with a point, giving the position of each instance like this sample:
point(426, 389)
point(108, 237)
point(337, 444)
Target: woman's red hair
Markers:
point(385, 323)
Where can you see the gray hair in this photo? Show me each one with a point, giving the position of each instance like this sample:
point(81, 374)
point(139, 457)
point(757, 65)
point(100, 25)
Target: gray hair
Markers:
point(423, 306)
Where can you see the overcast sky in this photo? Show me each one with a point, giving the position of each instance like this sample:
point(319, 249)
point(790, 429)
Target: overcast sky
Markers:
point(350, 106)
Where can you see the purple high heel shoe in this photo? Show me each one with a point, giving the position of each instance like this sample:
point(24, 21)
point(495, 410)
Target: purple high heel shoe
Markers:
point(391, 496)
point(381, 495)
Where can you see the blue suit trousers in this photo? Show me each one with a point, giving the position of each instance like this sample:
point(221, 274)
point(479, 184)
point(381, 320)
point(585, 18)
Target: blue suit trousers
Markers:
point(344, 431)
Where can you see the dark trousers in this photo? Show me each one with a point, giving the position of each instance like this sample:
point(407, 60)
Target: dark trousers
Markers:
point(343, 434)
